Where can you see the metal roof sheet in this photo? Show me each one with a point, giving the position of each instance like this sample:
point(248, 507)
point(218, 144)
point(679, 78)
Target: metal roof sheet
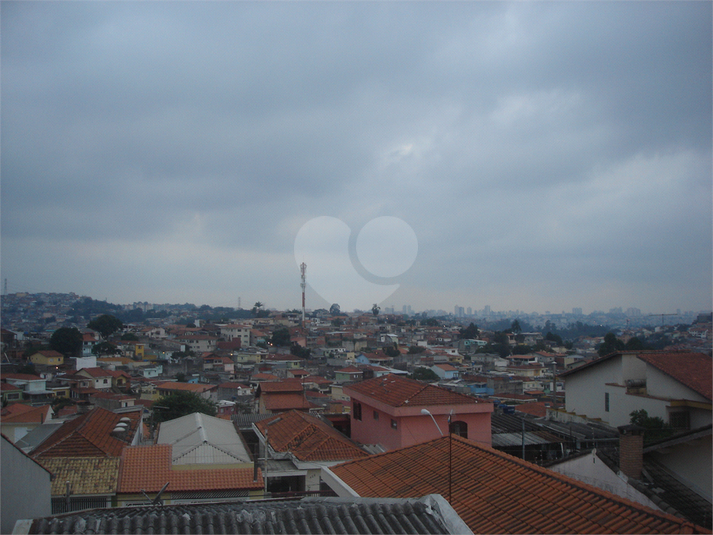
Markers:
point(199, 438)
point(430, 514)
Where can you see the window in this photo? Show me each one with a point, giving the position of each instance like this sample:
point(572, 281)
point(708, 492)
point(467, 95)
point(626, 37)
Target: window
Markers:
point(376, 415)
point(356, 411)
point(459, 428)
point(394, 424)
point(606, 401)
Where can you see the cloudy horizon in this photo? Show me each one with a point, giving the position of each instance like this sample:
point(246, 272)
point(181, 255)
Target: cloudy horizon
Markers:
point(546, 155)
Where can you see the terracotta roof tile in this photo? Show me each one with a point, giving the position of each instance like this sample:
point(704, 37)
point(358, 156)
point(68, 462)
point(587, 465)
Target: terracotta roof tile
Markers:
point(94, 475)
point(149, 468)
point(89, 435)
point(494, 492)
point(20, 413)
point(287, 401)
point(398, 391)
point(694, 370)
point(308, 438)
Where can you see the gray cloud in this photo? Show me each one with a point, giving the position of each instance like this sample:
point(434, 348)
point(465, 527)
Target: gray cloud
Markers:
point(527, 144)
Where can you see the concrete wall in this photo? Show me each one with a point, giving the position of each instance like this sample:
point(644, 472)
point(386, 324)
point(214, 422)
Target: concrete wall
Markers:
point(25, 490)
point(592, 470)
point(691, 462)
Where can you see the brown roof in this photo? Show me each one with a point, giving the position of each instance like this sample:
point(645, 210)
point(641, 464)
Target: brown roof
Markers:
point(693, 370)
point(287, 401)
point(398, 391)
point(496, 493)
point(536, 408)
point(288, 385)
point(22, 376)
point(21, 413)
point(149, 468)
point(89, 435)
point(50, 353)
point(95, 372)
point(308, 438)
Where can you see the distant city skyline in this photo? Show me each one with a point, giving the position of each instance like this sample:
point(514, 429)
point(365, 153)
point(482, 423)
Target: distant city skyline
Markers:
point(546, 155)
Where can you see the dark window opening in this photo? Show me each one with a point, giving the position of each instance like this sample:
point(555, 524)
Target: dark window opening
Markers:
point(356, 411)
point(459, 428)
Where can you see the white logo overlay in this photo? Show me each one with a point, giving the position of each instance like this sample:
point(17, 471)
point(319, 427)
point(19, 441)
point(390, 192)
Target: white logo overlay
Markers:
point(355, 274)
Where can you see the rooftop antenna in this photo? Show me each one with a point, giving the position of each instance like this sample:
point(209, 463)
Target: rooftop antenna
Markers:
point(303, 285)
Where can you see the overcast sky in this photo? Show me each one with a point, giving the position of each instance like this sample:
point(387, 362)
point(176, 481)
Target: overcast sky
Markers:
point(546, 155)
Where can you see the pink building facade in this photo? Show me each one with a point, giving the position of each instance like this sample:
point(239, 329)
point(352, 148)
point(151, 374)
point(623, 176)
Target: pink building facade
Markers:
point(388, 411)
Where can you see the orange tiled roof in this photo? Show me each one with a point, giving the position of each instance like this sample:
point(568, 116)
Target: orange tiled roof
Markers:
point(287, 401)
point(89, 435)
point(286, 385)
point(309, 438)
point(20, 413)
point(536, 408)
point(148, 468)
point(22, 376)
point(496, 493)
point(398, 391)
point(95, 372)
point(693, 370)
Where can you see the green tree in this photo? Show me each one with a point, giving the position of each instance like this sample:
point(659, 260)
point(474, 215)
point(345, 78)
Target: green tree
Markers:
point(654, 427)
point(28, 369)
point(106, 325)
point(130, 337)
point(67, 340)
point(375, 309)
point(610, 344)
point(415, 350)
point(280, 337)
point(105, 348)
point(515, 327)
point(180, 404)
point(424, 374)
point(335, 310)
point(392, 351)
point(554, 338)
point(299, 351)
point(470, 332)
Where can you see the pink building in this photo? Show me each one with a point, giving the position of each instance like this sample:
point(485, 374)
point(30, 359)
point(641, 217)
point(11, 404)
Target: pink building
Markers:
point(388, 411)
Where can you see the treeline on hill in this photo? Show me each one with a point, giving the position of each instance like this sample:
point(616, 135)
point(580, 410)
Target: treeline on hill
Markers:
point(89, 308)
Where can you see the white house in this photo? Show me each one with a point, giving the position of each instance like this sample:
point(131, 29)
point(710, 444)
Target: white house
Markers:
point(672, 385)
point(233, 331)
point(445, 371)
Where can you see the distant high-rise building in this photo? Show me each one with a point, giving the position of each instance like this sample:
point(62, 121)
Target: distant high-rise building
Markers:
point(486, 310)
point(577, 311)
point(406, 309)
point(469, 311)
point(633, 312)
point(459, 311)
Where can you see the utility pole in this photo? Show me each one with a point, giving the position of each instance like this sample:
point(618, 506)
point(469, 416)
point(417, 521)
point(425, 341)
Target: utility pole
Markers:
point(303, 285)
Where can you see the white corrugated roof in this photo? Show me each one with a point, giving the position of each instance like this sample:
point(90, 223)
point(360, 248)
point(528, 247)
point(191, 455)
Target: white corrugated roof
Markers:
point(201, 439)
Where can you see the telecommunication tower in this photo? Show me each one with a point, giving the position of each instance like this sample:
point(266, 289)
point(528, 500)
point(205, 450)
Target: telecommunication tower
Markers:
point(303, 285)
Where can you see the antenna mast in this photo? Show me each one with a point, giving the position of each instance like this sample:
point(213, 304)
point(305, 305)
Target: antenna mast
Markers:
point(303, 285)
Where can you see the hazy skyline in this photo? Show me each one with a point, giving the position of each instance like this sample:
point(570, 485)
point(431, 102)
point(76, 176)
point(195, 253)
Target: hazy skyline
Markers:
point(546, 155)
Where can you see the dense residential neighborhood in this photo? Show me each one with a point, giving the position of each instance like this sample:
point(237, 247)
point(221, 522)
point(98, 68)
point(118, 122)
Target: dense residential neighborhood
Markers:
point(507, 423)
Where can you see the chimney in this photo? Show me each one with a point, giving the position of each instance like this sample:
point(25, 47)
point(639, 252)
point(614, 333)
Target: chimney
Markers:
point(631, 450)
